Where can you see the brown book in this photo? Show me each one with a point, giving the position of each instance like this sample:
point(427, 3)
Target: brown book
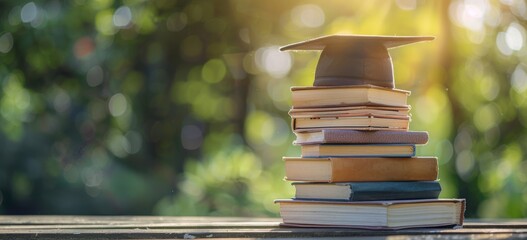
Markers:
point(334, 96)
point(347, 169)
point(349, 136)
point(358, 122)
point(395, 214)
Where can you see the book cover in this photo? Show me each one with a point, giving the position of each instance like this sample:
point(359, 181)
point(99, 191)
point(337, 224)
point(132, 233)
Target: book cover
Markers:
point(349, 136)
point(367, 191)
point(394, 214)
point(366, 169)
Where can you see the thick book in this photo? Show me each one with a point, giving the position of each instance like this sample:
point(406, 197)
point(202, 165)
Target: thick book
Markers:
point(396, 214)
point(335, 96)
point(358, 150)
point(350, 111)
point(367, 191)
point(348, 136)
point(363, 169)
point(357, 122)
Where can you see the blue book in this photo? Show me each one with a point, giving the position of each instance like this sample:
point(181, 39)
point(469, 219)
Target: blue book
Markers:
point(367, 191)
point(358, 150)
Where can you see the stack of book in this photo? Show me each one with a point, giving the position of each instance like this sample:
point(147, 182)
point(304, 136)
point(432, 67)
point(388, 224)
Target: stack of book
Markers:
point(358, 166)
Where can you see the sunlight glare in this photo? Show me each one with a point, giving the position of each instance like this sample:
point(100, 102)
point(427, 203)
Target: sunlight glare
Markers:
point(407, 5)
point(519, 79)
point(308, 15)
point(469, 13)
point(273, 61)
point(514, 36)
point(502, 45)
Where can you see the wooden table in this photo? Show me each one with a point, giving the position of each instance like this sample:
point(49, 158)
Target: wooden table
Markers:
point(150, 227)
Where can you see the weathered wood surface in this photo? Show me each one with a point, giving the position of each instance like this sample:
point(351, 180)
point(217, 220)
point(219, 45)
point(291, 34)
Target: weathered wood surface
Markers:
point(150, 227)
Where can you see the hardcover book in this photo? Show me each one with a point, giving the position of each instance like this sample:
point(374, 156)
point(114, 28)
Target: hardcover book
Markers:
point(350, 111)
point(396, 214)
point(358, 150)
point(349, 136)
point(358, 122)
point(335, 96)
point(367, 191)
point(367, 169)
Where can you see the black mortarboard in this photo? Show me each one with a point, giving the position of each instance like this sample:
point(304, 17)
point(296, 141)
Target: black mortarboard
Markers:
point(355, 59)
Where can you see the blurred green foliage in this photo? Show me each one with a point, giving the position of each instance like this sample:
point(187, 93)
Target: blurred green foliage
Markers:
point(180, 107)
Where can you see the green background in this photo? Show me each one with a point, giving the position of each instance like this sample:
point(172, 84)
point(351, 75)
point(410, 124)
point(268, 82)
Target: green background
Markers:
point(180, 107)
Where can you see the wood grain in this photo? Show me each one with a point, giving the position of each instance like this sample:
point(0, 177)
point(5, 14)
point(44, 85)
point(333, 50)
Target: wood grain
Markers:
point(151, 227)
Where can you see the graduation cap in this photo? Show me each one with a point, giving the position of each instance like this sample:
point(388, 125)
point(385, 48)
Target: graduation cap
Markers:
point(355, 59)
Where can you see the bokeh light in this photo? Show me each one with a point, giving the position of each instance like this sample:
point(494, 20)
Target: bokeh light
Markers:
point(118, 104)
point(308, 15)
point(275, 63)
point(6, 42)
point(122, 17)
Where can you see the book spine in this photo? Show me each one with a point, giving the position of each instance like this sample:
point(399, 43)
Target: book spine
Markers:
point(383, 169)
point(373, 191)
point(463, 207)
point(339, 136)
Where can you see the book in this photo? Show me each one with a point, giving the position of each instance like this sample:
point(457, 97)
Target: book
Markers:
point(353, 95)
point(396, 214)
point(367, 191)
point(350, 111)
point(358, 150)
point(359, 122)
point(349, 136)
point(366, 169)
